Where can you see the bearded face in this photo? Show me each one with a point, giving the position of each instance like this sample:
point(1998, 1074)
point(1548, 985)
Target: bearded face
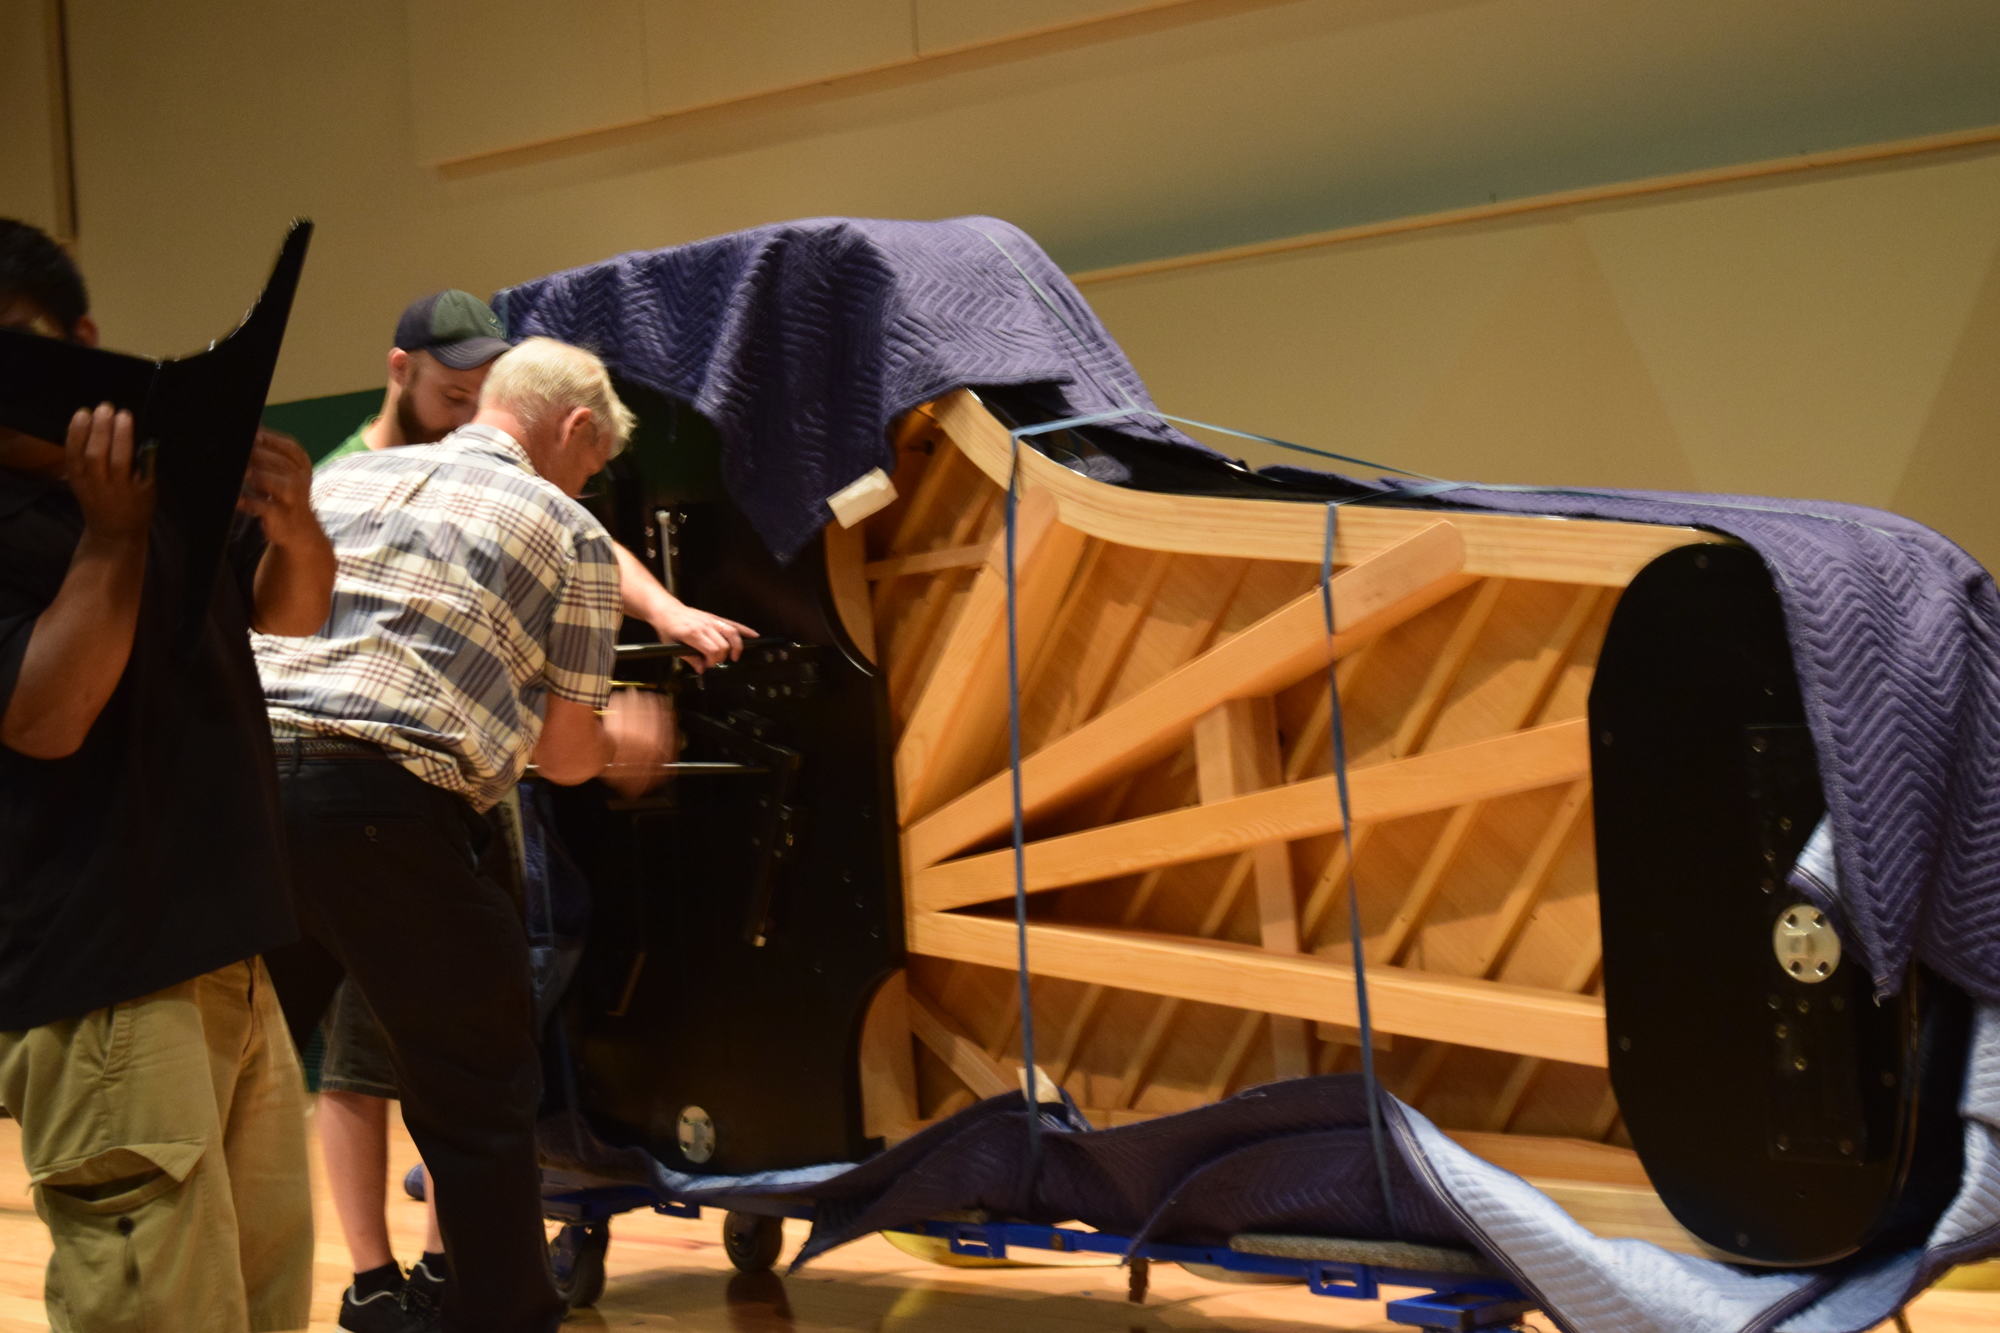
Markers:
point(435, 399)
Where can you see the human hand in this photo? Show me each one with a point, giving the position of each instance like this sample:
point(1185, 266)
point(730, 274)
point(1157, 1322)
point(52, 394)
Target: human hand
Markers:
point(641, 728)
point(277, 488)
point(715, 637)
point(116, 499)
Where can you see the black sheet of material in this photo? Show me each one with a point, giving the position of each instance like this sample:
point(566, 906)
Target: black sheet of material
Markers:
point(200, 413)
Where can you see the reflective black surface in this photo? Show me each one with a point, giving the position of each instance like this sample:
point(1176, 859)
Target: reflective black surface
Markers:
point(1783, 1118)
point(744, 915)
point(200, 412)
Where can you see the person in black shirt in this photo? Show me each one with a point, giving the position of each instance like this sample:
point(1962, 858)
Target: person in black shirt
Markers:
point(160, 1101)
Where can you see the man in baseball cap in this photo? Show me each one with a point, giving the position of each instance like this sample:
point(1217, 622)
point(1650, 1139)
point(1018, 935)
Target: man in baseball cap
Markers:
point(444, 344)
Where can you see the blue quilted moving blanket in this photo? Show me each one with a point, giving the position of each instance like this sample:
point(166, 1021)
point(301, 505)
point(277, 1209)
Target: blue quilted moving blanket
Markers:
point(802, 341)
point(1294, 1158)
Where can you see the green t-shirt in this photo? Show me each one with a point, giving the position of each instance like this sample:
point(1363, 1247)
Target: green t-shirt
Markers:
point(356, 443)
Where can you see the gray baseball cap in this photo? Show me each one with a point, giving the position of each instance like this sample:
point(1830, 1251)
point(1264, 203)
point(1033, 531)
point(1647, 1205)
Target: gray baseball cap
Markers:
point(454, 326)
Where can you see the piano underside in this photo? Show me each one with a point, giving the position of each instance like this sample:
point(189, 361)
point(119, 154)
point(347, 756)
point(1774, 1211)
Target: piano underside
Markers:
point(796, 965)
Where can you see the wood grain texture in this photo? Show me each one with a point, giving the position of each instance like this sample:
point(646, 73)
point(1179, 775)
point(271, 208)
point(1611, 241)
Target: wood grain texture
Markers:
point(1188, 872)
point(1492, 1015)
point(1435, 781)
point(1274, 652)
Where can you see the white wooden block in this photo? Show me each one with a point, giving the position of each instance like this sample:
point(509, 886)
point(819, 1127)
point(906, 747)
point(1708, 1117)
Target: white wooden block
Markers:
point(861, 497)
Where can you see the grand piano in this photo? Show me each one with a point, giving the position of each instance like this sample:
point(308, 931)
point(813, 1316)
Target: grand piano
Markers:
point(1579, 770)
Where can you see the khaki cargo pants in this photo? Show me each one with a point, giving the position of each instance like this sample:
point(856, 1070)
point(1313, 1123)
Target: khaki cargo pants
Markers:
point(165, 1141)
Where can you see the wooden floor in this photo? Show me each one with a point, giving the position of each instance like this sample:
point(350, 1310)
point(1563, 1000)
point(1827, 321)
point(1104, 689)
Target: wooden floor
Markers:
point(669, 1274)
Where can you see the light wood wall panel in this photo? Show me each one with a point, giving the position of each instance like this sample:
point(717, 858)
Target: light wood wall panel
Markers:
point(1822, 337)
point(944, 24)
point(699, 52)
point(28, 161)
point(488, 74)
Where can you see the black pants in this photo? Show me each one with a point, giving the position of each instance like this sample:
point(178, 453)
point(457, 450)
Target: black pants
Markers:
point(386, 869)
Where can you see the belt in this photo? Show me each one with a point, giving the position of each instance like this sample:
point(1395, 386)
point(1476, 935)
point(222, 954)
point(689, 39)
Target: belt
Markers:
point(327, 747)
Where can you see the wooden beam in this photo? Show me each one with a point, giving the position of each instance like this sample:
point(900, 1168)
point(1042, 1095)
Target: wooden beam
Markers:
point(913, 626)
point(1236, 752)
point(888, 1064)
point(1276, 651)
point(1414, 731)
point(850, 591)
point(1396, 939)
point(1519, 1019)
point(982, 1075)
point(1582, 973)
point(1404, 928)
point(962, 705)
point(1118, 625)
point(1504, 545)
point(1166, 1014)
point(916, 517)
point(1502, 766)
point(925, 562)
point(1512, 917)
point(1546, 1158)
point(1333, 881)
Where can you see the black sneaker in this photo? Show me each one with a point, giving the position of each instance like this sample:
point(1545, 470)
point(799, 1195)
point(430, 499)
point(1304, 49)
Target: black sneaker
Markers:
point(395, 1310)
point(427, 1284)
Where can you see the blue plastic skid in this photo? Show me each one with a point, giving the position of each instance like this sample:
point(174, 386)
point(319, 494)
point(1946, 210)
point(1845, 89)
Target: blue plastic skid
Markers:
point(1454, 1301)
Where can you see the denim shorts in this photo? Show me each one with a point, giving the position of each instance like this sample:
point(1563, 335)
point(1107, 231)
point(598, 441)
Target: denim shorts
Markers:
point(357, 1054)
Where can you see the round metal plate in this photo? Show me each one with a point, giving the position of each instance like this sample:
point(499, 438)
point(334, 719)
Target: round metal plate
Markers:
point(697, 1134)
point(1806, 944)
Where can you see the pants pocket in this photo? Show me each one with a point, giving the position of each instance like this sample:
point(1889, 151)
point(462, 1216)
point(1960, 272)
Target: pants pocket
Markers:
point(126, 1257)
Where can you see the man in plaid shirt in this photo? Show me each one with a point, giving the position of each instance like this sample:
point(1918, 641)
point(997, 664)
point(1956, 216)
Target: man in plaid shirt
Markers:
point(472, 630)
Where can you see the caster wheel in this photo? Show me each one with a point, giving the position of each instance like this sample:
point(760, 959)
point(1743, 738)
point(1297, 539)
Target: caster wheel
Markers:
point(753, 1242)
point(413, 1182)
point(576, 1258)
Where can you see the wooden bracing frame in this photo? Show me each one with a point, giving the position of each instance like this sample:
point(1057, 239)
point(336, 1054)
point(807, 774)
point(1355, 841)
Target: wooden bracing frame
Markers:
point(1185, 862)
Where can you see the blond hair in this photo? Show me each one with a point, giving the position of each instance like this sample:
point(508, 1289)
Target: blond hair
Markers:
point(540, 378)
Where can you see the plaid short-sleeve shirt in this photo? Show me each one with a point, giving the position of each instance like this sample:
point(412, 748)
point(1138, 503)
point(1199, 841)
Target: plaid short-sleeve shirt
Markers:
point(469, 589)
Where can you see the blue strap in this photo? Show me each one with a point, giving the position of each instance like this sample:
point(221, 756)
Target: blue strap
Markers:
point(1020, 433)
point(1300, 448)
point(1027, 999)
point(1338, 728)
point(1120, 413)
